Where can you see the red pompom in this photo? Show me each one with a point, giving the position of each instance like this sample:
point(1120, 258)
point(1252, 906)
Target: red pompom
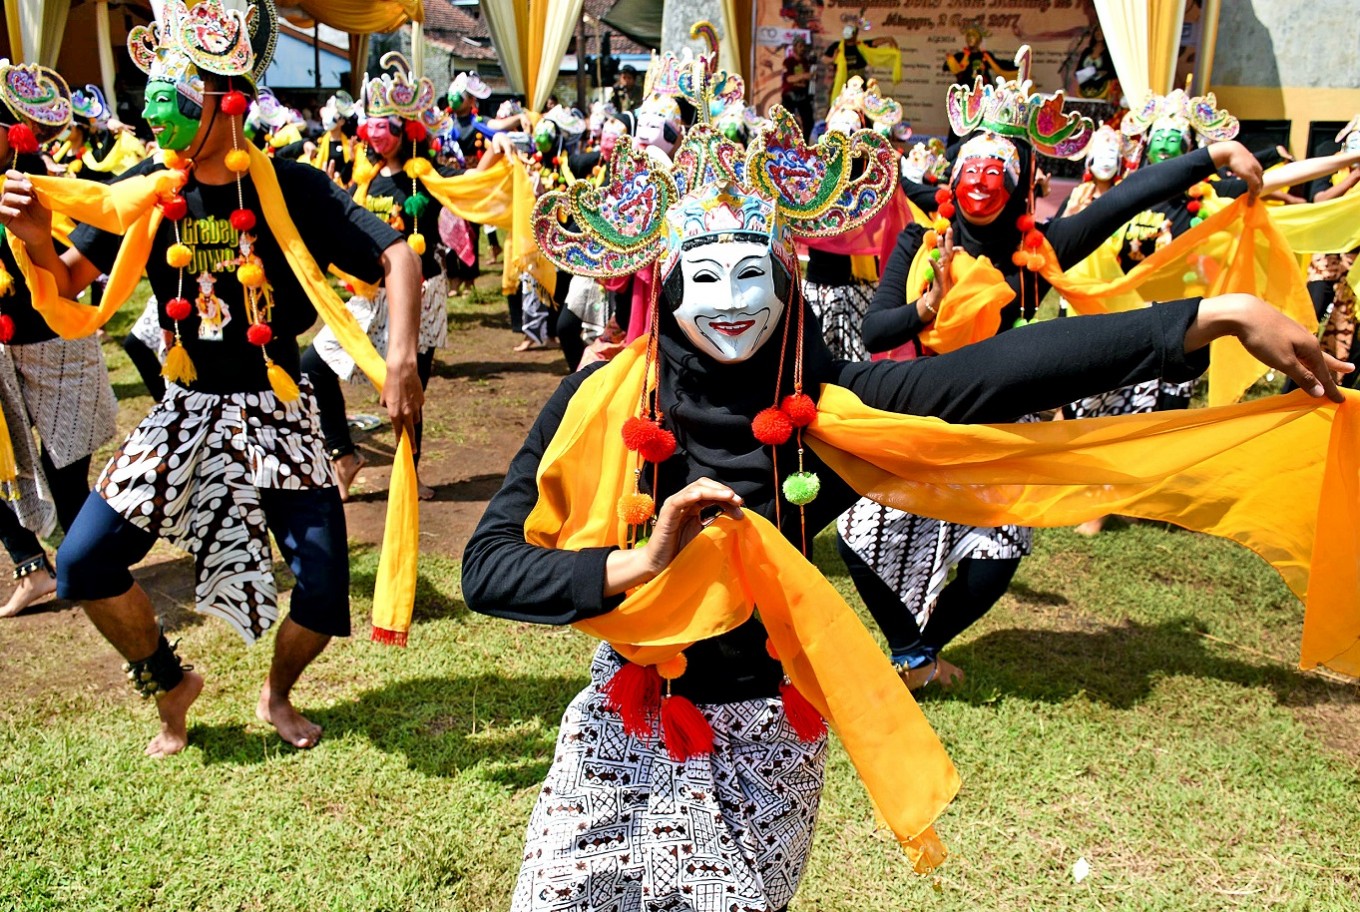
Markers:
point(234, 103)
point(946, 210)
point(242, 219)
point(436, 146)
point(684, 729)
point(772, 427)
point(803, 717)
point(1034, 240)
point(174, 208)
point(931, 178)
point(259, 334)
point(6, 328)
point(799, 408)
point(538, 156)
point(943, 195)
point(1193, 206)
point(362, 132)
point(1025, 223)
point(415, 130)
point(634, 692)
point(648, 439)
point(22, 140)
point(178, 308)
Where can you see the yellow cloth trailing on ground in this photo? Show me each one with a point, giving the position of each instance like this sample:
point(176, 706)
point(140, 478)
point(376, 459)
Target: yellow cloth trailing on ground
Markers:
point(1280, 475)
point(129, 208)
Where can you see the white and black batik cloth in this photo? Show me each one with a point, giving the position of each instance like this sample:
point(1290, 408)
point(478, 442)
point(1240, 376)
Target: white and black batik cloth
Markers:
point(60, 388)
point(914, 554)
point(1138, 399)
point(537, 308)
point(147, 330)
point(841, 309)
point(372, 316)
point(621, 827)
point(192, 473)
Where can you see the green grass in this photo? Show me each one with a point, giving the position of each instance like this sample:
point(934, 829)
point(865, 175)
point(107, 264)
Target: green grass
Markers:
point(1132, 701)
point(1098, 721)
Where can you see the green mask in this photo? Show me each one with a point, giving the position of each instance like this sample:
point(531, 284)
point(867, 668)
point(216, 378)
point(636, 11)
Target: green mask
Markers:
point(456, 101)
point(162, 111)
point(543, 140)
point(1165, 144)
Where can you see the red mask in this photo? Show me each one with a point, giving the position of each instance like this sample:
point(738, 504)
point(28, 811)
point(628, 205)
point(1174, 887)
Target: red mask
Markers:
point(981, 189)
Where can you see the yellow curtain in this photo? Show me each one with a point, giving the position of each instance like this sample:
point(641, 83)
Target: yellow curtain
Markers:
point(362, 16)
point(1144, 38)
point(736, 38)
point(508, 22)
point(36, 29)
point(552, 23)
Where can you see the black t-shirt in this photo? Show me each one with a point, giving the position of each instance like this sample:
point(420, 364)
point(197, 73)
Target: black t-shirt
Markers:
point(344, 170)
point(333, 229)
point(29, 326)
point(387, 195)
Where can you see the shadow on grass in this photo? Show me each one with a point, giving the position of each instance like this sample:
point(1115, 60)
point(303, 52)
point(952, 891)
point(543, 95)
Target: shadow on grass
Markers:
point(444, 727)
point(476, 489)
point(430, 603)
point(490, 370)
point(466, 319)
point(1119, 666)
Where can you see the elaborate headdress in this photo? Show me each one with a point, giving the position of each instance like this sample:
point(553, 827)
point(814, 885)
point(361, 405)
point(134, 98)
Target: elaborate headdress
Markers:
point(338, 108)
point(925, 163)
point(1199, 116)
point(865, 100)
point(469, 84)
point(1009, 108)
point(397, 94)
point(1107, 137)
point(89, 103)
point(225, 37)
point(38, 99)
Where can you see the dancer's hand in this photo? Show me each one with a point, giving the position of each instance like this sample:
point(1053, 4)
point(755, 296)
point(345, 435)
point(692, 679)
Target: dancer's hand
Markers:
point(1272, 338)
point(1236, 158)
point(928, 305)
point(682, 516)
point(22, 213)
point(403, 395)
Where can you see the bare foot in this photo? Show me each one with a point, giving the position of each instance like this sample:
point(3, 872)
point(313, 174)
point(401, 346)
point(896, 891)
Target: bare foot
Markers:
point(424, 491)
point(346, 469)
point(173, 707)
point(527, 345)
point(1091, 528)
point(29, 590)
point(292, 726)
point(945, 674)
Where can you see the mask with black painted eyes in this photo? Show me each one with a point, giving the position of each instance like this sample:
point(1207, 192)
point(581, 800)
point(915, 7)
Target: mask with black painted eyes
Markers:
point(729, 308)
point(981, 189)
point(1165, 143)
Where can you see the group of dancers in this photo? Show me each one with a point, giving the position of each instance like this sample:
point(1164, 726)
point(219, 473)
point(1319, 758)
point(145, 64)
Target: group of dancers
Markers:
point(725, 411)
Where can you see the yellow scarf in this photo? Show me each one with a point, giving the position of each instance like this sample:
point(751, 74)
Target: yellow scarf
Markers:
point(1253, 257)
point(1253, 472)
point(884, 58)
point(129, 208)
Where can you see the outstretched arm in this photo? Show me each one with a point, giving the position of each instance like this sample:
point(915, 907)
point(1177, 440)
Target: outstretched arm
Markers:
point(31, 222)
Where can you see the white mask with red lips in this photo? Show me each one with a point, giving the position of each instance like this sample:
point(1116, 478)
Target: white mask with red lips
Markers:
point(729, 308)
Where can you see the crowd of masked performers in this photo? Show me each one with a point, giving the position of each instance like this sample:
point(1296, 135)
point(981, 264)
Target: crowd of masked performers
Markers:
point(761, 331)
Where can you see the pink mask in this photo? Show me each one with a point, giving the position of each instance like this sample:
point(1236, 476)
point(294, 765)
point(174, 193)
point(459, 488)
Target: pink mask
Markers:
point(381, 137)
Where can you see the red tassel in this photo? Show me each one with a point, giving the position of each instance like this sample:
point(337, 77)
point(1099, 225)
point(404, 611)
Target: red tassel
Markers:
point(803, 717)
point(685, 730)
point(634, 692)
point(389, 637)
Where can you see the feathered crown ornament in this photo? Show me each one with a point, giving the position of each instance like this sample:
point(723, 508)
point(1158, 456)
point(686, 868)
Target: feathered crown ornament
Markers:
point(89, 103)
point(1198, 115)
point(1011, 109)
point(225, 37)
point(38, 98)
point(862, 103)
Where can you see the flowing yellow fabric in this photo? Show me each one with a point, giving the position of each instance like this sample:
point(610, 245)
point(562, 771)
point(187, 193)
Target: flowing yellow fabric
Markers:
point(127, 151)
point(482, 197)
point(971, 310)
point(1332, 226)
point(128, 208)
point(713, 586)
point(520, 246)
point(362, 17)
point(887, 57)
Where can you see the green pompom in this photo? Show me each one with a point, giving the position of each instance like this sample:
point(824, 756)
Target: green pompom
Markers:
point(1194, 222)
point(802, 488)
point(935, 254)
point(416, 205)
point(928, 274)
point(1019, 322)
point(1190, 277)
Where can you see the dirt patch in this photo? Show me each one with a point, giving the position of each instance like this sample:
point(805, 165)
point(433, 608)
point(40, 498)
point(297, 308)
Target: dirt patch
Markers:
point(1335, 721)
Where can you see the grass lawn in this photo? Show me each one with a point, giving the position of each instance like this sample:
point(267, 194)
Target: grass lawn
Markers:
point(1131, 702)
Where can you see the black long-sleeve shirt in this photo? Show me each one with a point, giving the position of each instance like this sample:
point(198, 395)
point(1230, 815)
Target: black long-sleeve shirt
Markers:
point(999, 379)
point(890, 323)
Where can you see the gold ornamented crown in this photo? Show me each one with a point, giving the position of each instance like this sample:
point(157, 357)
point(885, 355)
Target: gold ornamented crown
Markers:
point(225, 37)
point(867, 100)
point(1011, 109)
point(36, 95)
point(394, 94)
point(1181, 112)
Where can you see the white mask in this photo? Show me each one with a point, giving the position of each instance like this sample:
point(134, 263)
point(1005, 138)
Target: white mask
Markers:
point(651, 131)
point(843, 120)
point(729, 309)
point(1104, 162)
point(1353, 141)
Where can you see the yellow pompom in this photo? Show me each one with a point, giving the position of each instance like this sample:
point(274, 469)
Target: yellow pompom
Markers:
point(941, 225)
point(1034, 262)
point(171, 158)
point(179, 256)
point(179, 367)
point(672, 668)
point(238, 160)
point(417, 242)
point(6, 282)
point(282, 384)
point(250, 275)
point(75, 166)
point(417, 167)
point(636, 509)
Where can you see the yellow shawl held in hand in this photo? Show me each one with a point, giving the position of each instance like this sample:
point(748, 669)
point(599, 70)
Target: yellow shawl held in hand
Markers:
point(1240, 246)
point(129, 208)
point(1280, 475)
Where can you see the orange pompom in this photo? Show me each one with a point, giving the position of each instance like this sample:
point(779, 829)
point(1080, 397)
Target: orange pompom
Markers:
point(673, 667)
point(238, 160)
point(1034, 262)
point(636, 509)
point(800, 408)
point(772, 427)
point(1020, 258)
point(931, 239)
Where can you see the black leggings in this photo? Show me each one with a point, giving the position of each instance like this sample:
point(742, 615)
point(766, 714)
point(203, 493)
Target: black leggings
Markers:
point(69, 486)
point(330, 401)
point(569, 329)
point(977, 585)
point(147, 364)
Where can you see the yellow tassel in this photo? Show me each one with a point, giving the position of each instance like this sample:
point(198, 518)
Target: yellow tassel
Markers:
point(6, 282)
point(283, 385)
point(179, 367)
point(8, 471)
point(417, 243)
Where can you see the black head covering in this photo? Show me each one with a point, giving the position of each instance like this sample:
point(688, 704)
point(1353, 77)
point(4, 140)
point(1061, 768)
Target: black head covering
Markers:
point(999, 238)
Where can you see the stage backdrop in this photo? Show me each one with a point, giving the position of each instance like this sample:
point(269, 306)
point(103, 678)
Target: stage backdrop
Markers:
point(1068, 49)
